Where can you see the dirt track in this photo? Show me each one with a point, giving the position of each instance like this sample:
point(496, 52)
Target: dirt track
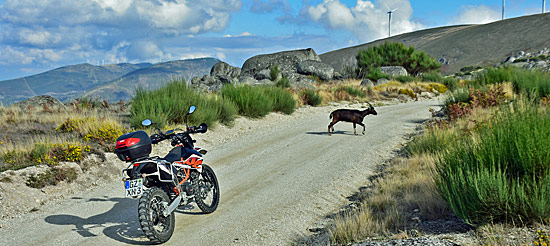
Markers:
point(277, 178)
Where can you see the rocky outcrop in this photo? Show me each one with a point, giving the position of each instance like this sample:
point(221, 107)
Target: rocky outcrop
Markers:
point(312, 67)
point(44, 101)
point(220, 74)
point(287, 62)
point(367, 83)
point(537, 60)
point(224, 69)
point(257, 69)
point(394, 71)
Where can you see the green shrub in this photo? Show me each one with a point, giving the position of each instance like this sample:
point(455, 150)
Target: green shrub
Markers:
point(405, 78)
point(431, 77)
point(375, 74)
point(283, 100)
point(352, 91)
point(274, 72)
point(534, 83)
point(311, 97)
point(258, 101)
point(51, 177)
point(504, 174)
point(284, 82)
point(396, 54)
point(450, 83)
point(170, 103)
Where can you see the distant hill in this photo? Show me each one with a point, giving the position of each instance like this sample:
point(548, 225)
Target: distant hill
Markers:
point(152, 77)
point(111, 82)
point(467, 45)
point(64, 82)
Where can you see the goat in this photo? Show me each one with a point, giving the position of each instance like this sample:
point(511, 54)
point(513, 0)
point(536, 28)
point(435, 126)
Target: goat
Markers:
point(350, 115)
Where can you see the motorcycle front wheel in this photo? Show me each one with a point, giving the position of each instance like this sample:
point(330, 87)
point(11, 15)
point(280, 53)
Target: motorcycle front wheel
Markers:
point(207, 195)
point(156, 227)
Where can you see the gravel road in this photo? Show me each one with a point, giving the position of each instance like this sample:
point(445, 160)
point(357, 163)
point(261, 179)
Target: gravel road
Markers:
point(278, 177)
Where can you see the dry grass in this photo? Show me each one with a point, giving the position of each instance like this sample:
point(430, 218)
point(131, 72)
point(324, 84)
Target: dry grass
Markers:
point(334, 92)
point(406, 187)
point(23, 129)
point(501, 234)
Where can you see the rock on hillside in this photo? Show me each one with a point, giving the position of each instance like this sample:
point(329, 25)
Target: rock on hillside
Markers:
point(460, 46)
point(287, 62)
point(44, 101)
point(220, 74)
point(256, 70)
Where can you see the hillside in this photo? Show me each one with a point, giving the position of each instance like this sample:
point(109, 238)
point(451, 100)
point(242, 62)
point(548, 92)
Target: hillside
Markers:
point(152, 77)
point(64, 82)
point(466, 45)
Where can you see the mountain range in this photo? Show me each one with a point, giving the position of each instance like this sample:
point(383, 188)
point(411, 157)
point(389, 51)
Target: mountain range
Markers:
point(107, 82)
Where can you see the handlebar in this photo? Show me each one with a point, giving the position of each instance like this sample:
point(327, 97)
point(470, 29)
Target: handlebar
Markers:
point(161, 136)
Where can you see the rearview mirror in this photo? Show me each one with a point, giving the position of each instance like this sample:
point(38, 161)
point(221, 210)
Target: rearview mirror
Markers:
point(192, 109)
point(146, 122)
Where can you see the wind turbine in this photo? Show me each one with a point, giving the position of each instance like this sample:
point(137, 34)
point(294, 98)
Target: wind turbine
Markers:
point(503, 4)
point(390, 11)
point(543, 6)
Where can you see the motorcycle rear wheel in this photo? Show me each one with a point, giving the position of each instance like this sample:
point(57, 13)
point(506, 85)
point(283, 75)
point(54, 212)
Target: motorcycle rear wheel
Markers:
point(155, 226)
point(207, 195)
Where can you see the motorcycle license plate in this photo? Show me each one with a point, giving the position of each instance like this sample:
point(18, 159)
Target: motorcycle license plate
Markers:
point(134, 187)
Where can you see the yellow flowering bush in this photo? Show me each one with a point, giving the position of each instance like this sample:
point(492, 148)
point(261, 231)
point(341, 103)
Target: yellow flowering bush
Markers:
point(69, 125)
point(106, 134)
point(56, 153)
point(407, 91)
point(542, 239)
point(441, 88)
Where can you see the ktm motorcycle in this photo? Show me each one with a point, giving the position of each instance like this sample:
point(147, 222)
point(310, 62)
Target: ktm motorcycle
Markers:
point(162, 184)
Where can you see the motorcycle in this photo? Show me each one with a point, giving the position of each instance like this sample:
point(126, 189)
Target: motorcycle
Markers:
point(162, 184)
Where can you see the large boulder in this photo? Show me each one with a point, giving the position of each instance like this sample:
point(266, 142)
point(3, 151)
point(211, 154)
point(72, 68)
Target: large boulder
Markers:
point(287, 62)
point(224, 69)
point(367, 83)
point(316, 68)
point(394, 71)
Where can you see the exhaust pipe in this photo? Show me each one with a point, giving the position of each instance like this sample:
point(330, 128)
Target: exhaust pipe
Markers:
point(173, 205)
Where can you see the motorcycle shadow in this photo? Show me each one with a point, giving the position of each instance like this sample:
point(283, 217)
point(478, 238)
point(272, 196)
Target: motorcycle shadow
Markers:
point(119, 223)
point(189, 209)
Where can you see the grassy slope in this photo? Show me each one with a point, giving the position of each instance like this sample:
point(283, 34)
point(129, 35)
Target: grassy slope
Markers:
point(465, 45)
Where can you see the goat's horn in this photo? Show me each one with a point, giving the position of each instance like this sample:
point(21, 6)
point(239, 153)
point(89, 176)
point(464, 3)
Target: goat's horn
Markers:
point(369, 104)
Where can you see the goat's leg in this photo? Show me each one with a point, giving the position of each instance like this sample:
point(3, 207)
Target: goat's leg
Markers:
point(329, 126)
point(361, 124)
point(354, 132)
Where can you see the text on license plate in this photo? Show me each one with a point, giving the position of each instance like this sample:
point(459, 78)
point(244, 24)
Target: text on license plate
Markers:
point(134, 187)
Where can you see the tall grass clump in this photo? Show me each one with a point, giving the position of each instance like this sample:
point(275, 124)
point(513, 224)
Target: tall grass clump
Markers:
point(258, 101)
point(501, 174)
point(311, 97)
point(535, 83)
point(169, 105)
point(283, 100)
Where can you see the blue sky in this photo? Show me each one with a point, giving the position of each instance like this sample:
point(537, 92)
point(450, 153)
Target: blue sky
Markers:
point(36, 36)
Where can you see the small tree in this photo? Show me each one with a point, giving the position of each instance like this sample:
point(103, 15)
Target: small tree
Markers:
point(395, 54)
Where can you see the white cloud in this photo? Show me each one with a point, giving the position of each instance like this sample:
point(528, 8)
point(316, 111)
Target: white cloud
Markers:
point(365, 20)
point(39, 32)
point(477, 15)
